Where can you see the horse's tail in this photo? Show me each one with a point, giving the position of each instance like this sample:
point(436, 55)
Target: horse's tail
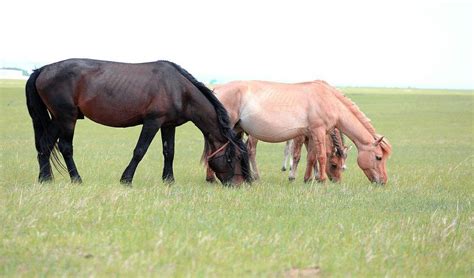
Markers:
point(41, 120)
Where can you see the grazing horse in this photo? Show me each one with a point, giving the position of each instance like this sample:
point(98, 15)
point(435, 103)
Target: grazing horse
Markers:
point(266, 111)
point(156, 95)
point(336, 153)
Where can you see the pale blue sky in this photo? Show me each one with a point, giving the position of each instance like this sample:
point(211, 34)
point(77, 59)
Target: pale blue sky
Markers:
point(348, 43)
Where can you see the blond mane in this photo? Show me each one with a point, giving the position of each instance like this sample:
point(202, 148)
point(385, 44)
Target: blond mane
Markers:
point(363, 119)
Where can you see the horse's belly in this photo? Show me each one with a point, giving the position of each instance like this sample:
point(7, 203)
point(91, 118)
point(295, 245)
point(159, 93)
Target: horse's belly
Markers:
point(111, 115)
point(271, 127)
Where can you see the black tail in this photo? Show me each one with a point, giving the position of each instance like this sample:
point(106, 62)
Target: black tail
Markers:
point(41, 121)
point(37, 109)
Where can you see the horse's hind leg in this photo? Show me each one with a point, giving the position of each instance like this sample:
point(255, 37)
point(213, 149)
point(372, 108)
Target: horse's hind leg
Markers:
point(66, 149)
point(167, 138)
point(44, 142)
point(149, 130)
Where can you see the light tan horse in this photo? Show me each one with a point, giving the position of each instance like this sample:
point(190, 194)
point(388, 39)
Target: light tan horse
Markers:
point(277, 112)
point(336, 153)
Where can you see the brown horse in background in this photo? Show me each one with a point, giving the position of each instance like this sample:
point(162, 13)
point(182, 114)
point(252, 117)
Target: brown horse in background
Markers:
point(336, 153)
point(156, 95)
point(266, 111)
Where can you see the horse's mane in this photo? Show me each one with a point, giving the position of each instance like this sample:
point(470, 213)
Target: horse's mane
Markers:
point(363, 119)
point(222, 118)
point(337, 139)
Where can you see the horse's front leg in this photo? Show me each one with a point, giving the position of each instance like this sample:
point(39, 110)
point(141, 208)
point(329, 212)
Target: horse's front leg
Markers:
point(210, 175)
point(286, 155)
point(310, 160)
point(319, 139)
point(149, 130)
point(295, 152)
point(167, 138)
point(252, 151)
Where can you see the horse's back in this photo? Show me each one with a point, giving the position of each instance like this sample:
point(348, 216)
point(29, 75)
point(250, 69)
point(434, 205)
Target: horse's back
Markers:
point(110, 93)
point(275, 112)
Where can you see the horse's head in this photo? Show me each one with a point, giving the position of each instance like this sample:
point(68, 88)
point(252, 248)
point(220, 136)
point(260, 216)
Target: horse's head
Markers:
point(231, 164)
point(336, 163)
point(372, 160)
point(336, 153)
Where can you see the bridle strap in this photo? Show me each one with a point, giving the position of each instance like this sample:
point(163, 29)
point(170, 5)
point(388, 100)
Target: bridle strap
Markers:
point(218, 150)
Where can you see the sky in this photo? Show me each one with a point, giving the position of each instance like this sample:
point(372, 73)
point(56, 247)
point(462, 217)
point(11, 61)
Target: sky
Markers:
point(418, 43)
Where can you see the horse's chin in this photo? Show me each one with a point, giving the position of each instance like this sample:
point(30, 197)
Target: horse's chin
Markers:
point(375, 179)
point(237, 180)
point(379, 181)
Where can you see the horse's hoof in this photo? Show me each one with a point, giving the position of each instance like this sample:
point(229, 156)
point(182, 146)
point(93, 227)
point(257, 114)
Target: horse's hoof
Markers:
point(77, 180)
point(44, 179)
point(291, 178)
point(126, 181)
point(307, 180)
point(169, 180)
point(283, 169)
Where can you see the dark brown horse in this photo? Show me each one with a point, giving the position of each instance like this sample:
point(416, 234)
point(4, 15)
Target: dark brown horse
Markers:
point(157, 95)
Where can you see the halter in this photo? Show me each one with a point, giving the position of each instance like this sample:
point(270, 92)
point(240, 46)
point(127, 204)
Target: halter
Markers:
point(218, 150)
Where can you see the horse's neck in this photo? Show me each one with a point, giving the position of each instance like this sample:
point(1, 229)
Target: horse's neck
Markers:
point(353, 128)
point(230, 95)
point(204, 116)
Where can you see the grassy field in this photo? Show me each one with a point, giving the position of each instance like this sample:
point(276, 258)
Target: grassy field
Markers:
point(420, 224)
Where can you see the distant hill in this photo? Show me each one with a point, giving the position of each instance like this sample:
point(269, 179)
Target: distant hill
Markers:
point(13, 73)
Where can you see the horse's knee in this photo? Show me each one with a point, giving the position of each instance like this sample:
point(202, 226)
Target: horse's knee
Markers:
point(138, 153)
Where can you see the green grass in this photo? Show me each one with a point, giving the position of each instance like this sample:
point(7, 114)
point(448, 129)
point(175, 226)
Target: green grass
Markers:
point(420, 224)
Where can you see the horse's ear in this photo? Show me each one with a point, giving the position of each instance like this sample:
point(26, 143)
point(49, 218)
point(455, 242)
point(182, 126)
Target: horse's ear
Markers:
point(378, 141)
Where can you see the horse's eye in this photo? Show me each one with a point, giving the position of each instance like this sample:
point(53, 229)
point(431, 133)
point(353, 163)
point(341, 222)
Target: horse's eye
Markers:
point(334, 166)
point(229, 160)
point(378, 157)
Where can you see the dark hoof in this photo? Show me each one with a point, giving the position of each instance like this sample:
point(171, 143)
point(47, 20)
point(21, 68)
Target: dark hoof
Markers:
point(168, 180)
point(283, 169)
point(45, 179)
point(291, 178)
point(308, 180)
point(126, 181)
point(77, 180)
